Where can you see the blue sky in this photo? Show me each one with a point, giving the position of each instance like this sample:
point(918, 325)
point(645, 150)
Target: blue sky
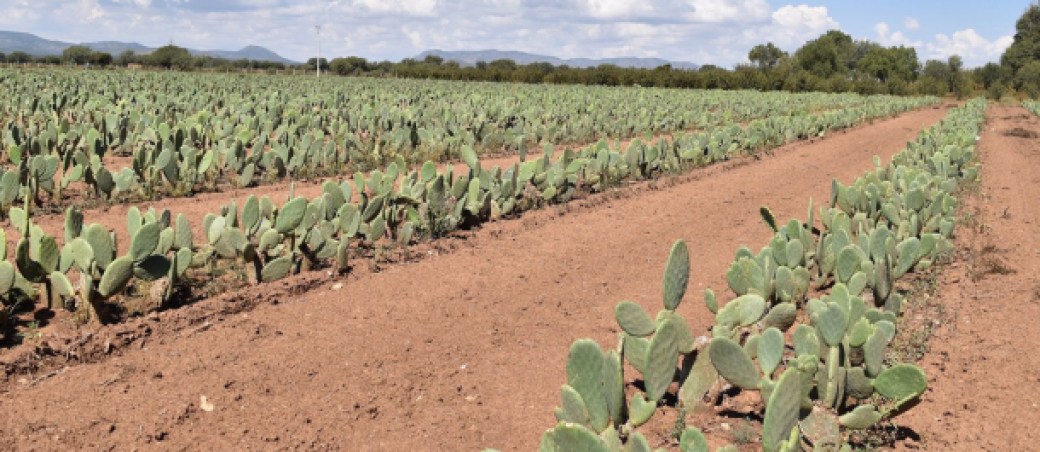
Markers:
point(699, 31)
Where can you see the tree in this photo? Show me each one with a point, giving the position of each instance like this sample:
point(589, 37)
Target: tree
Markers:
point(19, 57)
point(1028, 78)
point(1026, 44)
point(886, 63)
point(126, 58)
point(766, 55)
point(349, 66)
point(171, 57)
point(311, 62)
point(76, 55)
point(832, 53)
point(100, 59)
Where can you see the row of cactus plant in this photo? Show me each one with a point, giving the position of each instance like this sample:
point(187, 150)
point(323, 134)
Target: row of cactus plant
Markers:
point(273, 241)
point(817, 378)
point(182, 146)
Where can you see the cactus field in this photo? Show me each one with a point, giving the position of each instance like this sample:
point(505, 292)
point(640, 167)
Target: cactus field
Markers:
point(224, 262)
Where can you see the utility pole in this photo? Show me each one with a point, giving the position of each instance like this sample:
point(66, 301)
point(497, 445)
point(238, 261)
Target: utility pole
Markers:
point(317, 62)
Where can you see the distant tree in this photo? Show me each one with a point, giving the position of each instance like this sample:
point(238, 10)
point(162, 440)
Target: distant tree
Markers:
point(766, 55)
point(19, 57)
point(831, 53)
point(1026, 44)
point(991, 74)
point(349, 66)
point(886, 63)
point(171, 57)
point(100, 59)
point(77, 55)
point(312, 61)
point(433, 59)
point(503, 64)
point(3, 58)
point(49, 59)
point(126, 58)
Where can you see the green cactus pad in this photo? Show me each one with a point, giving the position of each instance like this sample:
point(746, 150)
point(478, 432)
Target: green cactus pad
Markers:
point(782, 410)
point(290, 215)
point(699, 381)
point(901, 383)
point(585, 375)
point(7, 277)
point(744, 276)
point(710, 302)
point(862, 417)
point(635, 351)
point(116, 276)
point(574, 437)
point(770, 350)
point(733, 364)
point(614, 387)
point(633, 319)
point(573, 409)
point(874, 347)
point(276, 269)
point(661, 359)
point(145, 241)
point(676, 275)
point(641, 410)
point(831, 322)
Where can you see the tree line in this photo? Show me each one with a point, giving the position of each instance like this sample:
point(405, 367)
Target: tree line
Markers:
point(833, 62)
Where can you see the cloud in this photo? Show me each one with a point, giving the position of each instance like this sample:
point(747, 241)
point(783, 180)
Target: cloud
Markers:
point(911, 24)
point(716, 11)
point(970, 45)
point(887, 37)
point(405, 7)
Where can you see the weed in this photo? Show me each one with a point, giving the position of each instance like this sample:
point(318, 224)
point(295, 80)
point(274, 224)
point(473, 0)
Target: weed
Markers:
point(744, 433)
point(32, 333)
point(680, 425)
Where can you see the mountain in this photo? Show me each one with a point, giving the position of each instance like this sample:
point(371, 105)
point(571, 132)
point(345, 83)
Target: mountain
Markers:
point(471, 57)
point(11, 41)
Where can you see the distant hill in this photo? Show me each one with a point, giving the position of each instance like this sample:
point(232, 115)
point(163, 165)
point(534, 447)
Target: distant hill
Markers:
point(12, 41)
point(471, 57)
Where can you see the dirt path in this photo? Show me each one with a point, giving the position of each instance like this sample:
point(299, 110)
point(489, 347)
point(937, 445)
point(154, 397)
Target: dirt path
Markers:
point(457, 351)
point(983, 361)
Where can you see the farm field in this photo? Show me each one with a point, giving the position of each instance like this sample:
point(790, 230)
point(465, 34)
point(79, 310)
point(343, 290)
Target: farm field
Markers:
point(452, 340)
point(504, 226)
point(389, 290)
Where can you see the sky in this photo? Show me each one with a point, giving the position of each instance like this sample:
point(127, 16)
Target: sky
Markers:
point(716, 32)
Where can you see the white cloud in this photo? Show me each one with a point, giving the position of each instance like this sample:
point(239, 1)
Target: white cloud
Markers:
point(793, 25)
point(970, 45)
point(614, 9)
point(717, 11)
point(413, 7)
point(911, 24)
point(887, 37)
